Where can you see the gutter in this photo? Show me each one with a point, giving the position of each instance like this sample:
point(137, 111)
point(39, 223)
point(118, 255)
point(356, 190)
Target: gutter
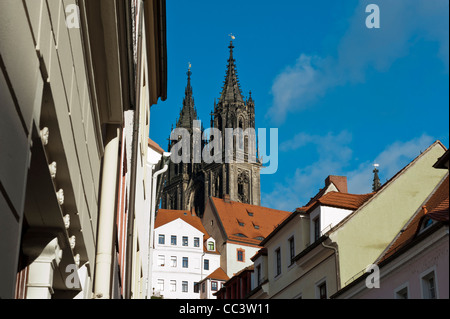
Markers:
point(338, 276)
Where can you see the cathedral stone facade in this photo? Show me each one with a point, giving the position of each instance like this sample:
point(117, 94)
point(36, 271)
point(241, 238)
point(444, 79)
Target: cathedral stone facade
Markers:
point(235, 173)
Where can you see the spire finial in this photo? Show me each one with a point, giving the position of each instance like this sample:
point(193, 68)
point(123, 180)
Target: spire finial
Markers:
point(189, 73)
point(231, 90)
point(376, 179)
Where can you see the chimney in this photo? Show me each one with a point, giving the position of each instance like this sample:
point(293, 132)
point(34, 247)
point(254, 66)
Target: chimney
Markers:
point(339, 181)
point(226, 198)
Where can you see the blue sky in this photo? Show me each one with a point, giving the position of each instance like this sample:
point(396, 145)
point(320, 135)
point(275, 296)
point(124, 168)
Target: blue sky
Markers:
point(342, 96)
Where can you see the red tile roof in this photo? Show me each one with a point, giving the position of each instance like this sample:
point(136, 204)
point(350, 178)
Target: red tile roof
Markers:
point(247, 223)
point(166, 216)
point(339, 200)
point(436, 207)
point(218, 274)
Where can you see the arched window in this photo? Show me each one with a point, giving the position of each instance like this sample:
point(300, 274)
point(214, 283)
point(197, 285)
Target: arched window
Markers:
point(241, 134)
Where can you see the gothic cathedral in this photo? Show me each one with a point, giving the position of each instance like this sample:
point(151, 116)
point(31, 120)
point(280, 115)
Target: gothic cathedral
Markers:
point(188, 185)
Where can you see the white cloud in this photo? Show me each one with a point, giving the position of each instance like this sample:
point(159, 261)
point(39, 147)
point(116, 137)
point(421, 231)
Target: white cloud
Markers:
point(403, 22)
point(333, 154)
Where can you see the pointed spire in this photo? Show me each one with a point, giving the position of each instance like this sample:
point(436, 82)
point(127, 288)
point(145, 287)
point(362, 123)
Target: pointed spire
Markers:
point(188, 113)
point(376, 179)
point(231, 91)
point(188, 91)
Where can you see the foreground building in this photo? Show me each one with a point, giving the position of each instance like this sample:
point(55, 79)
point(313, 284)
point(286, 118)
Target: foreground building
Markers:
point(307, 258)
point(212, 284)
point(68, 74)
point(416, 263)
point(183, 255)
point(295, 260)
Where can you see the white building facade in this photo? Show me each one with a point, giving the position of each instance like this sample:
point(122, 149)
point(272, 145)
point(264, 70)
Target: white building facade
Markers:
point(183, 255)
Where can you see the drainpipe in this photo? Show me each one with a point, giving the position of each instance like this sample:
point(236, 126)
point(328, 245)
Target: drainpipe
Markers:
point(132, 203)
point(336, 252)
point(153, 204)
point(103, 260)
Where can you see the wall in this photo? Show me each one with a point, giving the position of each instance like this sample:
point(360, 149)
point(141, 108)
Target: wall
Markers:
point(407, 270)
point(370, 229)
point(195, 271)
point(30, 29)
point(233, 266)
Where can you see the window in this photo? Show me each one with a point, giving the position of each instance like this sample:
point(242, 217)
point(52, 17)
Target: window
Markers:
point(256, 226)
point(240, 255)
point(173, 285)
point(316, 228)
point(322, 290)
point(214, 285)
point(429, 286)
point(185, 262)
point(402, 293)
point(206, 264)
point(184, 286)
point(196, 242)
point(173, 240)
point(161, 284)
point(258, 275)
point(211, 246)
point(291, 250)
point(278, 262)
point(161, 260)
point(161, 239)
point(241, 192)
point(196, 287)
point(173, 261)
point(203, 287)
point(185, 241)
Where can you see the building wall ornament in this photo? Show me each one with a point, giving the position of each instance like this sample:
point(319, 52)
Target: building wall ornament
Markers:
point(40, 277)
point(72, 241)
point(52, 167)
point(45, 133)
point(60, 196)
point(66, 219)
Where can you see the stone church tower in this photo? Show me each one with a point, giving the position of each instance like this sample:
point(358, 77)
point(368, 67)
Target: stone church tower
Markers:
point(188, 185)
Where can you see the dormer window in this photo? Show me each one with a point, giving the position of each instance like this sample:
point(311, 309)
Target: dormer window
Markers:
point(316, 228)
point(427, 222)
point(211, 246)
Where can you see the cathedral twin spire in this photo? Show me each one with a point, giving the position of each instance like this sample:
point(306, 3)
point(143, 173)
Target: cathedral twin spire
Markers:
point(189, 185)
point(188, 113)
point(231, 91)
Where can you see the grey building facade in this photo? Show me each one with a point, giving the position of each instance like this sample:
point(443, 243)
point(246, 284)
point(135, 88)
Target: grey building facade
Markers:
point(235, 169)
